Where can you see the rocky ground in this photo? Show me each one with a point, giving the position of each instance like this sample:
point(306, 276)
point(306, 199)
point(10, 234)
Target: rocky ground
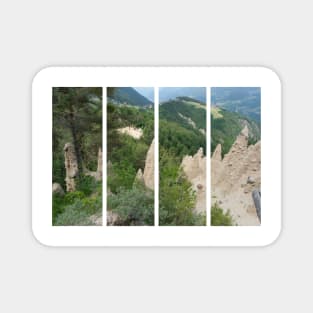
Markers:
point(235, 177)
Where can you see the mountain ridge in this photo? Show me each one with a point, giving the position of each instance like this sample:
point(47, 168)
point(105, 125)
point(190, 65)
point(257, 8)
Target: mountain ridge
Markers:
point(129, 96)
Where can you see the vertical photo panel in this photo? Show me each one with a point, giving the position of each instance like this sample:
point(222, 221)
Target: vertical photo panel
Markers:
point(130, 156)
point(236, 156)
point(182, 156)
point(77, 156)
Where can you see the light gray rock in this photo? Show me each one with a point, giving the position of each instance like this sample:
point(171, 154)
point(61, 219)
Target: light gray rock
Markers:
point(256, 195)
point(250, 180)
point(57, 189)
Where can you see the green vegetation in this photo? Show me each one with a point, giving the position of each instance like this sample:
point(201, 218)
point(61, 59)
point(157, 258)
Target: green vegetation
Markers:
point(219, 218)
point(216, 112)
point(131, 201)
point(77, 119)
point(243, 100)
point(127, 95)
point(177, 199)
point(134, 206)
point(178, 138)
point(76, 208)
point(226, 127)
point(171, 111)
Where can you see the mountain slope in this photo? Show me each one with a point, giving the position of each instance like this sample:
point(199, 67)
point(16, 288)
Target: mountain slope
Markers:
point(243, 100)
point(182, 126)
point(169, 93)
point(225, 127)
point(128, 95)
point(184, 111)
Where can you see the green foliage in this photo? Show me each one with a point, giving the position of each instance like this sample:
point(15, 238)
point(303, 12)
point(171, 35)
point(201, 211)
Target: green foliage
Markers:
point(130, 151)
point(178, 138)
point(122, 176)
point(87, 185)
point(134, 206)
point(132, 202)
point(127, 95)
point(57, 207)
point(172, 111)
point(58, 170)
point(76, 207)
point(71, 197)
point(77, 118)
point(79, 211)
point(177, 200)
point(180, 141)
point(225, 130)
point(219, 218)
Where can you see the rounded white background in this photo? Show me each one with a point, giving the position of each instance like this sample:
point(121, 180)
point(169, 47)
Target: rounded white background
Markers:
point(36, 34)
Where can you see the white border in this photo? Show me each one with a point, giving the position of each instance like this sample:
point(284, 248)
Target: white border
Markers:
point(155, 77)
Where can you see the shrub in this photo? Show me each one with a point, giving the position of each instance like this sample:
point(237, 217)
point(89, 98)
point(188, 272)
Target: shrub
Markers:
point(134, 206)
point(86, 184)
point(177, 199)
point(122, 176)
point(75, 208)
point(78, 212)
point(219, 218)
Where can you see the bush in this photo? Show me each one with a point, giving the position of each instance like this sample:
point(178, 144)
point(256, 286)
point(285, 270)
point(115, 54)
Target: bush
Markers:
point(79, 210)
point(87, 184)
point(75, 208)
point(57, 207)
point(177, 199)
point(134, 206)
point(219, 218)
point(122, 176)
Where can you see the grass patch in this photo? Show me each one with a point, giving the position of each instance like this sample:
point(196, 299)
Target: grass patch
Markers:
point(219, 218)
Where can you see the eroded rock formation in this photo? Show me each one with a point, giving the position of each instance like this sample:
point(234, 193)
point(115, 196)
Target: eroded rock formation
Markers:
point(131, 131)
point(71, 167)
point(148, 173)
point(194, 168)
point(235, 177)
point(57, 189)
point(147, 176)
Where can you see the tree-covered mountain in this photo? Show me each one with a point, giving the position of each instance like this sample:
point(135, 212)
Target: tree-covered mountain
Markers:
point(226, 126)
point(243, 100)
point(170, 93)
point(182, 126)
point(128, 96)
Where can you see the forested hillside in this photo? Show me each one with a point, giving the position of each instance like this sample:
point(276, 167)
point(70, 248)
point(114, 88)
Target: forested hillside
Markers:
point(226, 125)
point(77, 144)
point(130, 201)
point(128, 95)
point(179, 136)
point(243, 100)
point(180, 127)
point(170, 93)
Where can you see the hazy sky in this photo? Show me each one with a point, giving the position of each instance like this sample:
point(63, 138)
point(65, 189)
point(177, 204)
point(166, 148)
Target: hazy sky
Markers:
point(147, 92)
